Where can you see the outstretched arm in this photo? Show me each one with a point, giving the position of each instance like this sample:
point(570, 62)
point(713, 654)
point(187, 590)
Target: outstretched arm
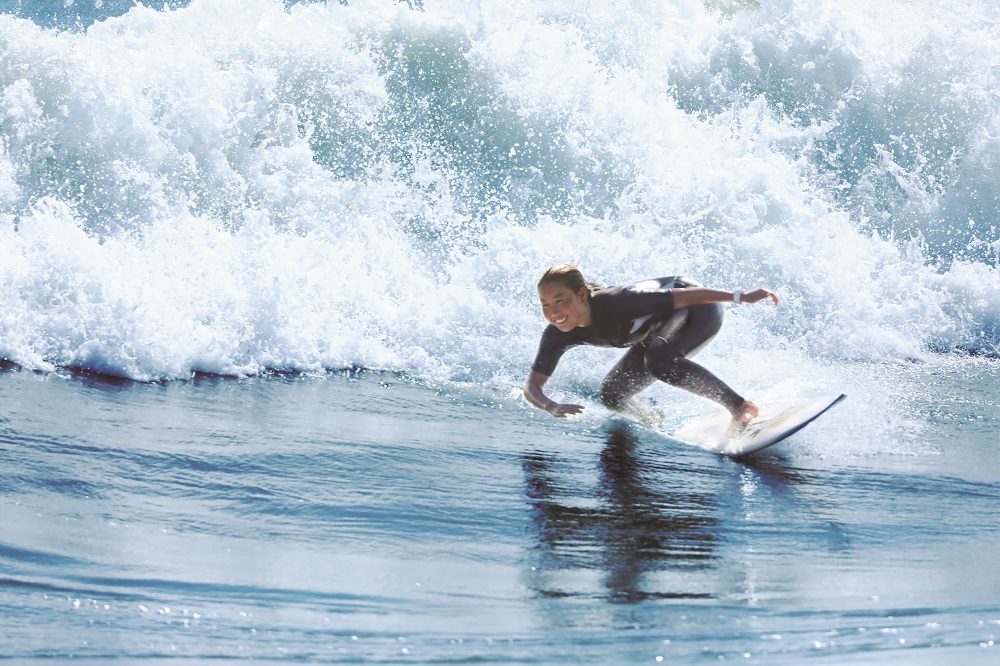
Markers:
point(686, 296)
point(533, 393)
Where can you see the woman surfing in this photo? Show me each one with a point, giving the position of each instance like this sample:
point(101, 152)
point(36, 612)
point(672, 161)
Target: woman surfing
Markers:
point(663, 322)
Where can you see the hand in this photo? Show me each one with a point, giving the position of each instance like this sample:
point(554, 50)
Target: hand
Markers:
point(562, 410)
point(757, 295)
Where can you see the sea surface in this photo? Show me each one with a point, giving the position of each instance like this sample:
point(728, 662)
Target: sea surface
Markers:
point(267, 303)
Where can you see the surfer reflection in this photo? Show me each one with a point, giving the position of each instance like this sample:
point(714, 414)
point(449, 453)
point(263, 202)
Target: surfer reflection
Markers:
point(625, 528)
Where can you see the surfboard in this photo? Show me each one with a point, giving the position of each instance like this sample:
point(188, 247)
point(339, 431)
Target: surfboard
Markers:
point(775, 422)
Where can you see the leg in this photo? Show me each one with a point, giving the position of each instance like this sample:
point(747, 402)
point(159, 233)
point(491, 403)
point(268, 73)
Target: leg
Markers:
point(624, 381)
point(667, 358)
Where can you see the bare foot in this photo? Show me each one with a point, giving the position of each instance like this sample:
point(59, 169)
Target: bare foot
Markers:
point(748, 412)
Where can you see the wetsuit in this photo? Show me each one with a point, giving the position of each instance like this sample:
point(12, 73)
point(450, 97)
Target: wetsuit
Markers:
point(661, 339)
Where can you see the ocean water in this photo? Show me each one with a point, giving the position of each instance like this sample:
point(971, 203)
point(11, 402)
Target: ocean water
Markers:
point(267, 301)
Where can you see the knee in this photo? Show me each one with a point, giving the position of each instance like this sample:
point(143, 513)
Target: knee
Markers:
point(613, 398)
point(662, 366)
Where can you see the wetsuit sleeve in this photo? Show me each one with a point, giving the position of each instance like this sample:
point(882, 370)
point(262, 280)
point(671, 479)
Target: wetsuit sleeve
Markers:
point(550, 350)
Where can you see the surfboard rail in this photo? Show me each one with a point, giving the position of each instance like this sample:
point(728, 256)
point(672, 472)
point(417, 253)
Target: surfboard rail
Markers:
point(776, 422)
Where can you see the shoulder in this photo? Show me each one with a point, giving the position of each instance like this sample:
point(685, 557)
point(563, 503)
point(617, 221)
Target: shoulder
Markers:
point(552, 336)
point(631, 291)
point(657, 284)
point(551, 333)
point(556, 341)
point(634, 300)
point(642, 287)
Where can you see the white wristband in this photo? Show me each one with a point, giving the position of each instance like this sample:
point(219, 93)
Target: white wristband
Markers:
point(737, 295)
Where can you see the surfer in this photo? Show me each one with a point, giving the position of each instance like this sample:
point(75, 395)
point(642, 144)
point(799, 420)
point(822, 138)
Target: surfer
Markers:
point(663, 322)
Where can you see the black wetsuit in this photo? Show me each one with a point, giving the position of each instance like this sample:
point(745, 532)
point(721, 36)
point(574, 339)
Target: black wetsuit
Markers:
point(661, 339)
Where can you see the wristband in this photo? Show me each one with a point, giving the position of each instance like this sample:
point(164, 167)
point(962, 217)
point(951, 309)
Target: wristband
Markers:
point(737, 295)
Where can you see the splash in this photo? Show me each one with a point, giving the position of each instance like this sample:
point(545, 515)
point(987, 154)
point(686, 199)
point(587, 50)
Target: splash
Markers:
point(241, 187)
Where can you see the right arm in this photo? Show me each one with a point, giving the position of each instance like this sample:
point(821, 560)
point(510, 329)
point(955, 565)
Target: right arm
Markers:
point(533, 393)
point(686, 296)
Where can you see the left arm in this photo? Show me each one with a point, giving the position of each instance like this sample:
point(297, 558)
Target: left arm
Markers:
point(686, 296)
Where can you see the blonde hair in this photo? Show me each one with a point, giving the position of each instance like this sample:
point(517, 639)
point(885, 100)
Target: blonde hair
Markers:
point(568, 276)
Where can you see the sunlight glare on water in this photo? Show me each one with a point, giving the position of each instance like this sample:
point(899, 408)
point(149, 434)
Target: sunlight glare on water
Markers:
point(268, 301)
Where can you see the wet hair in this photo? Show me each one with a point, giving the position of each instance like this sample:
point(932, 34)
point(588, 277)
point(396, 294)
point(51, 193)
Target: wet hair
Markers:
point(568, 276)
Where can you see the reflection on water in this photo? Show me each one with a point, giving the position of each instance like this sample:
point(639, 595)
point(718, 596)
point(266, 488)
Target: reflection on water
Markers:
point(627, 526)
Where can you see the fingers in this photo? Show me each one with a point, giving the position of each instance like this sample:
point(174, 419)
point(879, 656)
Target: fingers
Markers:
point(562, 411)
point(759, 294)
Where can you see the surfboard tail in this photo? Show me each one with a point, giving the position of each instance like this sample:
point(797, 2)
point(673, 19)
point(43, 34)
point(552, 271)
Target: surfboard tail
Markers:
point(775, 423)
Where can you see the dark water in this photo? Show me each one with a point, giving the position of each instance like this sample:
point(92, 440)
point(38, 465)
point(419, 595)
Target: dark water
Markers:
point(368, 518)
point(258, 188)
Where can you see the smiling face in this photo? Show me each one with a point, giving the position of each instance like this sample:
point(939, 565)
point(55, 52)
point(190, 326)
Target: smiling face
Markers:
point(564, 308)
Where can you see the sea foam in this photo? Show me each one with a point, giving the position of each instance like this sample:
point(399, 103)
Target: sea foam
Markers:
point(242, 187)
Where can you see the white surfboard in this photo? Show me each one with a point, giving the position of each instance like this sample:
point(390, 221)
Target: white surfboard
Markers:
point(774, 423)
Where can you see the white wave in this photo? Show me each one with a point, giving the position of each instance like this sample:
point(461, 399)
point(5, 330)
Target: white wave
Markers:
point(236, 187)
